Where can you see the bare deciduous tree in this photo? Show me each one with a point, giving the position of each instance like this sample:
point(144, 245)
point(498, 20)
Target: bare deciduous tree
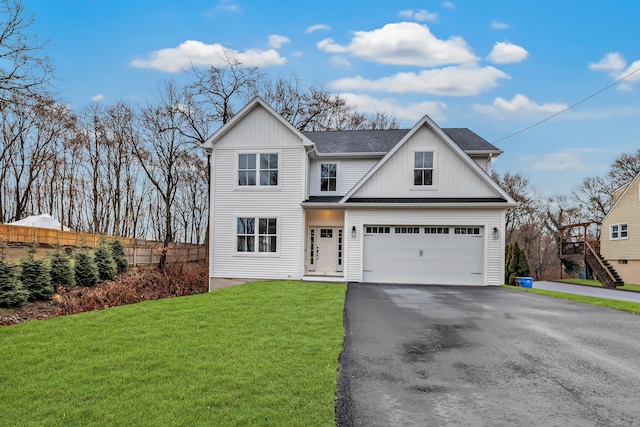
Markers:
point(25, 69)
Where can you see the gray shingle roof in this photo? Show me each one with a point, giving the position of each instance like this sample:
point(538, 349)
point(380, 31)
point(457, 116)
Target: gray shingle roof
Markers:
point(381, 141)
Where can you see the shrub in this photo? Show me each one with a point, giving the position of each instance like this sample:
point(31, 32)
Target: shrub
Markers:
point(119, 257)
point(516, 263)
point(104, 261)
point(35, 276)
point(11, 292)
point(61, 273)
point(85, 270)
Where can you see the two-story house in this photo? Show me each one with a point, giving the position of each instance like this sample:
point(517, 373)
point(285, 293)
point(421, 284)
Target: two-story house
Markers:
point(620, 240)
point(406, 206)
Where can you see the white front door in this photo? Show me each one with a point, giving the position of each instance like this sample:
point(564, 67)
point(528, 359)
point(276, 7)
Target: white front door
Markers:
point(326, 249)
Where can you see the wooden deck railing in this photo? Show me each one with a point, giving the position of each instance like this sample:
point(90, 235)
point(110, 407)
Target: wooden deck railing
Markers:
point(139, 251)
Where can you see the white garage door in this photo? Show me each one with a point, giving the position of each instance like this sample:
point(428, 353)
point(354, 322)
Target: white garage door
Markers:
point(424, 254)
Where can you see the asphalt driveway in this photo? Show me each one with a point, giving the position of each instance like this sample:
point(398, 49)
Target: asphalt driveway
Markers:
point(462, 356)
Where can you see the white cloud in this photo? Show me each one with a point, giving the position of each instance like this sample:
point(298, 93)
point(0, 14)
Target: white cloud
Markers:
point(497, 25)
point(98, 97)
point(448, 5)
point(196, 53)
point(519, 105)
point(223, 6)
point(403, 111)
point(615, 64)
point(506, 53)
point(418, 15)
point(339, 61)
point(561, 161)
point(633, 68)
point(229, 6)
point(448, 81)
point(403, 43)
point(317, 27)
point(612, 61)
point(276, 41)
point(625, 87)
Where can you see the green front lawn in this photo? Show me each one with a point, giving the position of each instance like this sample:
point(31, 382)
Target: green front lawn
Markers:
point(631, 307)
point(628, 287)
point(258, 354)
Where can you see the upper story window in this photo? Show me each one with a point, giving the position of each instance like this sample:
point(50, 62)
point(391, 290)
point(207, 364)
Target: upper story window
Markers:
point(329, 177)
point(258, 169)
point(618, 231)
point(423, 168)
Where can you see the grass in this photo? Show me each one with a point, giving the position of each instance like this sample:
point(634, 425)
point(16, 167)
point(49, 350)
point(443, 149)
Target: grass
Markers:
point(259, 354)
point(631, 307)
point(627, 286)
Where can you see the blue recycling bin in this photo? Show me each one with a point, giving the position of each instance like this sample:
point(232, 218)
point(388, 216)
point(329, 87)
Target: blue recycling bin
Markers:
point(525, 282)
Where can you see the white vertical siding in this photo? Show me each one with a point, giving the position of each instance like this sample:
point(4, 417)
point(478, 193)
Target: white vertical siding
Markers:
point(484, 162)
point(258, 131)
point(351, 171)
point(453, 177)
point(487, 218)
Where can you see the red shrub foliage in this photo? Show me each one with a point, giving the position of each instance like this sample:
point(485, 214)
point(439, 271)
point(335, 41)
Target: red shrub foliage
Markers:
point(137, 284)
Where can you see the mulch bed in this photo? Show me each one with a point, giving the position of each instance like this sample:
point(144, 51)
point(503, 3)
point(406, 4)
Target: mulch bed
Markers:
point(137, 284)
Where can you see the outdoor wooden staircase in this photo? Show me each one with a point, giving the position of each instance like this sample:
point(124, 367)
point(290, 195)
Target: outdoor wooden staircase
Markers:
point(572, 247)
point(602, 269)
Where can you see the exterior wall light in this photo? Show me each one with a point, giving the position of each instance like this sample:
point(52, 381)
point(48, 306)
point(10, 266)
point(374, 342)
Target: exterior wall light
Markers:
point(496, 233)
point(353, 231)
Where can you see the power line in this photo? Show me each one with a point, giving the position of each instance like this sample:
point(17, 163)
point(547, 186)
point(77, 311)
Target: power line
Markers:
point(570, 106)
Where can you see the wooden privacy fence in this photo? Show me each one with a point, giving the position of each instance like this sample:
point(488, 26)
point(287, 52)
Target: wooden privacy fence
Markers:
point(139, 251)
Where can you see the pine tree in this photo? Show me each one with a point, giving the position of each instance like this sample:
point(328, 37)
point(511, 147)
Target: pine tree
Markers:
point(11, 292)
point(35, 276)
point(120, 258)
point(85, 270)
point(508, 263)
point(61, 273)
point(104, 261)
point(523, 269)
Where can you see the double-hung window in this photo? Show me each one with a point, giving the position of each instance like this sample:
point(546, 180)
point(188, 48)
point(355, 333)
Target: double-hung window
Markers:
point(250, 230)
point(328, 177)
point(618, 231)
point(423, 168)
point(258, 169)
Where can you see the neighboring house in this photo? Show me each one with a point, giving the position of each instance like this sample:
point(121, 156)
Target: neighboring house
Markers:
point(619, 233)
point(412, 206)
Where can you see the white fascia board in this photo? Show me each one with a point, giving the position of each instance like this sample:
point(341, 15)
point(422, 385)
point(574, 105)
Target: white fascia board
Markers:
point(338, 205)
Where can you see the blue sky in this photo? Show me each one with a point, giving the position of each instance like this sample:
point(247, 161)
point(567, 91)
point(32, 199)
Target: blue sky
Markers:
point(496, 67)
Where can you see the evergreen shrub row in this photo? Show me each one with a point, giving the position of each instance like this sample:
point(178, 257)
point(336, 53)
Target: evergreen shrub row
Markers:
point(35, 279)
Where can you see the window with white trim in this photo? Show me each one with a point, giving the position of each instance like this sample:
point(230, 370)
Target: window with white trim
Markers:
point(265, 234)
point(423, 168)
point(328, 177)
point(618, 231)
point(258, 169)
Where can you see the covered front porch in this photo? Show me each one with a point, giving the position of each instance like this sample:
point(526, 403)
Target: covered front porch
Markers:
point(325, 239)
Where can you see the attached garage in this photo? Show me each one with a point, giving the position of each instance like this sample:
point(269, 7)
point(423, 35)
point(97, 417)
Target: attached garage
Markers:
point(424, 254)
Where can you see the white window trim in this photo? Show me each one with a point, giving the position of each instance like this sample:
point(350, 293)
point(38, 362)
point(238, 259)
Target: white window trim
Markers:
point(338, 174)
point(255, 254)
point(619, 225)
point(257, 187)
point(434, 176)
